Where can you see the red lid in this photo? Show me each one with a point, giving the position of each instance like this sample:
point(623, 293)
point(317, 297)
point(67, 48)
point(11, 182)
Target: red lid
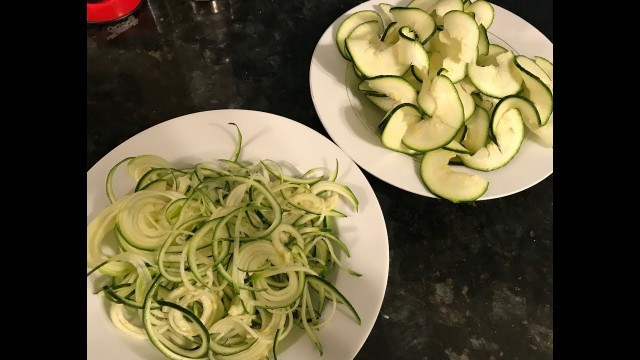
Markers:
point(110, 10)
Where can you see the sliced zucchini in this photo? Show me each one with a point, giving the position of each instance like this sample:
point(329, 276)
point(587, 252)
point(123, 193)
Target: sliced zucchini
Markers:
point(483, 40)
point(460, 35)
point(534, 69)
point(378, 99)
point(447, 90)
point(484, 101)
point(456, 147)
point(468, 86)
point(408, 33)
point(357, 72)
point(386, 16)
point(448, 117)
point(455, 70)
point(499, 80)
point(395, 124)
point(366, 30)
point(381, 101)
point(417, 19)
point(483, 11)
point(413, 52)
point(443, 7)
point(410, 77)
point(536, 91)
point(429, 46)
point(460, 135)
point(455, 161)
point(468, 104)
point(460, 38)
point(426, 101)
point(509, 136)
point(373, 57)
point(420, 62)
point(477, 135)
point(545, 134)
point(390, 35)
point(442, 181)
point(448, 105)
point(435, 63)
point(527, 109)
point(350, 23)
point(545, 64)
point(395, 88)
point(530, 117)
point(426, 5)
point(492, 53)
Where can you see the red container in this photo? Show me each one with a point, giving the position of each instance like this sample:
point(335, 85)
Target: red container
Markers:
point(110, 10)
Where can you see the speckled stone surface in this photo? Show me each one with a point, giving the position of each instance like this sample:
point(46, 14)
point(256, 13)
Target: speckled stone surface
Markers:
point(472, 281)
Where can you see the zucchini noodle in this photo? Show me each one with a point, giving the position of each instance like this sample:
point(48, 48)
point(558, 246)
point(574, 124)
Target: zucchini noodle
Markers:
point(220, 260)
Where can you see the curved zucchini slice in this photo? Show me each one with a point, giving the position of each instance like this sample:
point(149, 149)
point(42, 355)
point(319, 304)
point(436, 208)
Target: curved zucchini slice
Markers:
point(395, 88)
point(468, 104)
point(442, 181)
point(460, 34)
point(443, 7)
point(420, 62)
point(492, 53)
point(460, 135)
point(530, 115)
point(509, 135)
point(532, 67)
point(448, 117)
point(483, 40)
point(417, 19)
point(386, 16)
point(426, 5)
point(412, 79)
point(435, 63)
point(483, 12)
point(391, 35)
point(499, 80)
point(395, 124)
point(477, 135)
point(349, 24)
point(456, 147)
point(545, 64)
point(536, 91)
point(366, 30)
point(460, 39)
point(426, 101)
point(545, 134)
point(372, 57)
point(381, 101)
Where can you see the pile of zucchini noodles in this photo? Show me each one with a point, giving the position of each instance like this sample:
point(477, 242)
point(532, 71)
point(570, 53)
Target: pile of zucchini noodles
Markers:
point(221, 260)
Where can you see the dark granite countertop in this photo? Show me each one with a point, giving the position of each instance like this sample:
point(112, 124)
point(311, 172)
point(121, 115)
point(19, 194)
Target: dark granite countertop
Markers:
point(470, 281)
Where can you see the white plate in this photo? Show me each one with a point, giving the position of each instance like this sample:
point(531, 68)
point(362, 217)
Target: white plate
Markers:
point(207, 136)
point(351, 120)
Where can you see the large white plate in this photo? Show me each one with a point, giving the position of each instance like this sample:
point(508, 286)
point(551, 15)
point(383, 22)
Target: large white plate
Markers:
point(207, 136)
point(351, 120)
